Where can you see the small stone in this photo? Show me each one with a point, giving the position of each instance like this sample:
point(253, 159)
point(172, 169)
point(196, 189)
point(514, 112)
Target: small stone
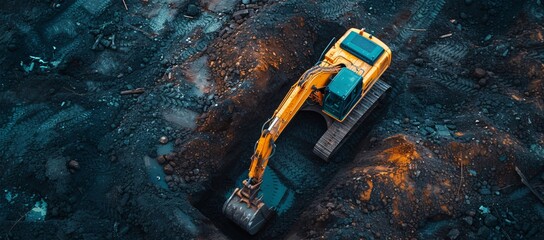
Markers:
point(161, 159)
point(484, 232)
point(485, 191)
point(163, 140)
point(192, 10)
point(168, 169)
point(240, 14)
point(479, 73)
point(73, 166)
point(468, 219)
point(482, 82)
point(490, 220)
point(454, 233)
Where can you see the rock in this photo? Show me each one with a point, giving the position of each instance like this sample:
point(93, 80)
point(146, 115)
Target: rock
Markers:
point(468, 219)
point(73, 166)
point(485, 191)
point(490, 220)
point(430, 130)
point(454, 233)
point(479, 73)
point(168, 169)
point(161, 159)
point(442, 130)
point(484, 232)
point(482, 82)
point(240, 14)
point(192, 10)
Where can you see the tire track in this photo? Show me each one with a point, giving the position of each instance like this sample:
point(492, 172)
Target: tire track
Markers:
point(424, 13)
point(447, 54)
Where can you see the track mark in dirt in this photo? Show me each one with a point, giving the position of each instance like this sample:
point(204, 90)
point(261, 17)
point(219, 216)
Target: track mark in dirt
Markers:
point(456, 83)
point(333, 9)
point(423, 15)
point(446, 54)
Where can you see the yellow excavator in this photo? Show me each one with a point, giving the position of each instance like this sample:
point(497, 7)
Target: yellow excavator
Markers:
point(345, 86)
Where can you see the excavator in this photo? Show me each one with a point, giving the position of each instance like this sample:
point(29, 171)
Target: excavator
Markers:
point(345, 87)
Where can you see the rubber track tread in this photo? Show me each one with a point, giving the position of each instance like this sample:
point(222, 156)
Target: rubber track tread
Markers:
point(338, 132)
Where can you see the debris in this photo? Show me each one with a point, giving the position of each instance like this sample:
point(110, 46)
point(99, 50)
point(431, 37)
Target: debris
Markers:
point(447, 35)
point(163, 140)
point(133, 91)
point(97, 41)
point(526, 182)
point(417, 29)
point(38, 212)
point(125, 4)
point(484, 210)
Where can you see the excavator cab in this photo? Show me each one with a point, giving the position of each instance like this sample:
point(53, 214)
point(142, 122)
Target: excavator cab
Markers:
point(342, 94)
point(345, 89)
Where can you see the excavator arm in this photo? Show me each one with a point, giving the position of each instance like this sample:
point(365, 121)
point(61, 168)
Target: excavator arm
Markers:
point(312, 80)
point(245, 206)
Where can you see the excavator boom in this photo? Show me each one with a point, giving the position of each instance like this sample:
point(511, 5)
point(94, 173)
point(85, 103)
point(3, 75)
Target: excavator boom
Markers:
point(338, 84)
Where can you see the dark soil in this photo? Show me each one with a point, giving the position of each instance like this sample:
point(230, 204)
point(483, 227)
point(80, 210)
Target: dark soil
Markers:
point(436, 160)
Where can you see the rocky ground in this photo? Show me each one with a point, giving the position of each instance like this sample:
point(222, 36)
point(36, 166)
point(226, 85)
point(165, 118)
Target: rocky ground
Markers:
point(136, 122)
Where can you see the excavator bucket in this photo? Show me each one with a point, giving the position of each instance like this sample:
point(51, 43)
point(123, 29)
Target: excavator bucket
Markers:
point(250, 218)
point(277, 199)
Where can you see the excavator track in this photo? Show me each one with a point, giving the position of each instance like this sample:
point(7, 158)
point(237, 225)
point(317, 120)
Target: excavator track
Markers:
point(338, 132)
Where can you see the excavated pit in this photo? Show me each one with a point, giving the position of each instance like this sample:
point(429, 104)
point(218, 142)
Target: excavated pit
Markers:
point(294, 166)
